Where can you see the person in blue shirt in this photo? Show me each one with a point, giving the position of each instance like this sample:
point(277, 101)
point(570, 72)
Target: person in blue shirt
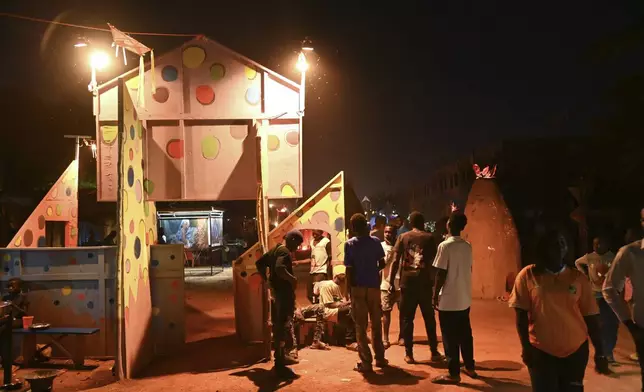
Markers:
point(364, 258)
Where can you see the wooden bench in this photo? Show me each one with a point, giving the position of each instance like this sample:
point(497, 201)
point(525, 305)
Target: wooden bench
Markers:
point(55, 335)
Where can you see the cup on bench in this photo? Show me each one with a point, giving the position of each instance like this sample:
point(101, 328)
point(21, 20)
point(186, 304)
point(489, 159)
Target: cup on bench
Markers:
point(27, 321)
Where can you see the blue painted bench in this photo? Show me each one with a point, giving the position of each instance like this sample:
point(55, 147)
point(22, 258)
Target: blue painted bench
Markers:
point(55, 335)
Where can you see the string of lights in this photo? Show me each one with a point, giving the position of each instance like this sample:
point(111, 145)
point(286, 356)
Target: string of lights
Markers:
point(40, 20)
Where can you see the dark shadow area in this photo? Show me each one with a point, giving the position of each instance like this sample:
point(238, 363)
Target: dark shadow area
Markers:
point(392, 375)
point(263, 379)
point(498, 384)
point(205, 356)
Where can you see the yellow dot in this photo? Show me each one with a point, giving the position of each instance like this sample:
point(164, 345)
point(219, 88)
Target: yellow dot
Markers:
point(250, 73)
point(18, 241)
point(59, 209)
point(66, 291)
point(54, 192)
point(133, 84)
point(273, 142)
point(210, 147)
point(7, 257)
point(193, 57)
point(156, 311)
point(108, 133)
point(50, 211)
point(288, 191)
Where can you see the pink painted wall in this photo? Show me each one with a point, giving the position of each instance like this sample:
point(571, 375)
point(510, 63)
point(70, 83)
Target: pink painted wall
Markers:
point(60, 205)
point(201, 80)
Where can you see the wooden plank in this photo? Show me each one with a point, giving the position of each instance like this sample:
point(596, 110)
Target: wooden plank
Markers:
point(56, 277)
point(56, 331)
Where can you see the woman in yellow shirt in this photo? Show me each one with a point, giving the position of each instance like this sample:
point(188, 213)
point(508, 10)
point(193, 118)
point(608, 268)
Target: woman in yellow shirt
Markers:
point(556, 312)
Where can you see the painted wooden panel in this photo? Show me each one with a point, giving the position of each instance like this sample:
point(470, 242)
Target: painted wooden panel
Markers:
point(217, 85)
point(325, 211)
point(280, 98)
point(60, 205)
point(107, 162)
point(168, 293)
point(137, 220)
point(283, 157)
point(221, 163)
point(69, 287)
point(165, 153)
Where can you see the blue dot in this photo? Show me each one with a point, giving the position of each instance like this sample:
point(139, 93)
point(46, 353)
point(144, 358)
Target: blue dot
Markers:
point(137, 247)
point(130, 176)
point(132, 132)
point(339, 224)
point(46, 268)
point(169, 73)
point(90, 305)
point(154, 263)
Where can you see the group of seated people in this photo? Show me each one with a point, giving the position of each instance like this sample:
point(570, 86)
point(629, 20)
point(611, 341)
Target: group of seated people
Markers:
point(332, 306)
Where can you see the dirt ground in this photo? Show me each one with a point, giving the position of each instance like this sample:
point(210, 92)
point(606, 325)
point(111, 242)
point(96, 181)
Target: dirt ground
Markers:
point(214, 360)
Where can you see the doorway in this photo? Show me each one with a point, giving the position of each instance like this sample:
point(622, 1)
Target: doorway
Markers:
point(55, 234)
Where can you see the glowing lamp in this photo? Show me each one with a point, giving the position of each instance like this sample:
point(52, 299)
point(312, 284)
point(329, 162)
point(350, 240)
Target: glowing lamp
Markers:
point(284, 209)
point(99, 60)
point(302, 65)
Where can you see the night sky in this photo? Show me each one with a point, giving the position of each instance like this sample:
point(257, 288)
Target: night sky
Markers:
point(396, 86)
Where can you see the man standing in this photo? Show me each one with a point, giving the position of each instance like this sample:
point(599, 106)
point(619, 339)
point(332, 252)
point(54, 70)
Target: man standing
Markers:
point(453, 298)
point(597, 264)
point(279, 263)
point(379, 228)
point(389, 298)
point(629, 263)
point(416, 250)
point(364, 258)
point(320, 262)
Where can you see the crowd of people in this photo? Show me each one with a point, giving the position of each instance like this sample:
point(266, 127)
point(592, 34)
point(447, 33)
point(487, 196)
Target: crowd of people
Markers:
point(559, 308)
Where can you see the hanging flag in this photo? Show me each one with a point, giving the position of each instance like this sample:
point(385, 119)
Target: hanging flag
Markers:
point(124, 41)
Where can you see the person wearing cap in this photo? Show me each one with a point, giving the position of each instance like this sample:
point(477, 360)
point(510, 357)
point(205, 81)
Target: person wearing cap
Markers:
point(282, 280)
point(364, 258)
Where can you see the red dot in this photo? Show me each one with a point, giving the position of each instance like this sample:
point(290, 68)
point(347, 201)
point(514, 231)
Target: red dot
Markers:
point(131, 154)
point(175, 284)
point(174, 148)
point(72, 261)
point(131, 226)
point(81, 297)
point(205, 95)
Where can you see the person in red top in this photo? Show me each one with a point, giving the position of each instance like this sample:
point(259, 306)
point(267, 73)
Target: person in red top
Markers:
point(556, 312)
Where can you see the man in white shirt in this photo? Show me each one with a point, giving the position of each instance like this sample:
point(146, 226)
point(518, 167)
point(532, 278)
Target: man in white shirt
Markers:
point(453, 298)
point(595, 265)
point(629, 263)
point(320, 262)
point(389, 297)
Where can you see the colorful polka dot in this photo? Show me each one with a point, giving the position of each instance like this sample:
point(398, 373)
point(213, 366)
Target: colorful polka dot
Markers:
point(73, 261)
point(68, 191)
point(174, 148)
point(251, 73)
point(339, 224)
point(137, 247)
point(41, 222)
point(154, 263)
point(169, 73)
point(50, 211)
point(320, 217)
point(287, 190)
point(6, 257)
point(127, 266)
point(193, 56)
point(59, 209)
point(90, 305)
point(217, 71)
point(130, 176)
point(132, 227)
point(292, 138)
point(210, 146)
point(81, 297)
point(273, 143)
point(138, 191)
point(335, 195)
point(66, 291)
point(109, 134)
point(253, 96)
point(205, 95)
point(72, 212)
point(131, 154)
point(238, 132)
point(148, 186)
point(132, 132)
point(54, 192)
point(28, 237)
point(161, 95)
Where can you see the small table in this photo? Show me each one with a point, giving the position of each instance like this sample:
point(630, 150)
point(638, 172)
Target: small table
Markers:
point(55, 335)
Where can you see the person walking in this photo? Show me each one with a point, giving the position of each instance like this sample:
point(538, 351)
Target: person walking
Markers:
point(556, 312)
point(453, 298)
point(416, 250)
point(629, 263)
point(364, 258)
point(279, 263)
point(595, 265)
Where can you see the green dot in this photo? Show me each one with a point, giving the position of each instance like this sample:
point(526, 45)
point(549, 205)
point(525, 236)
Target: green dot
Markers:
point(217, 71)
point(210, 147)
point(148, 186)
